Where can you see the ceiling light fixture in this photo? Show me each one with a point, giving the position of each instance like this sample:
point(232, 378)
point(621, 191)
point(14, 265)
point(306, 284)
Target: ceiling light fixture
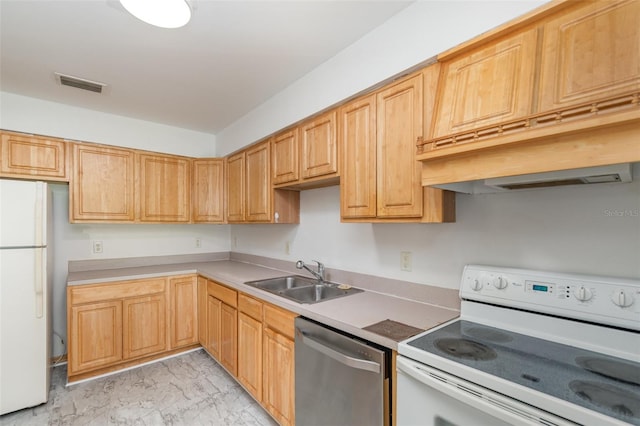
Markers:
point(161, 13)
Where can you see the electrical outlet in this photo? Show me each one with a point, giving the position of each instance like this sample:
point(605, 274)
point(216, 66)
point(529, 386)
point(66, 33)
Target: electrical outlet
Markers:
point(198, 242)
point(287, 248)
point(405, 261)
point(235, 242)
point(97, 246)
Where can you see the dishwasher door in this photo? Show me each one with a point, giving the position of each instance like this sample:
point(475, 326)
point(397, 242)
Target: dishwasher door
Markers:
point(339, 380)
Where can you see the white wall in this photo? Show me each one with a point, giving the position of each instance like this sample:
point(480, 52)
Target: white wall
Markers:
point(25, 114)
point(73, 242)
point(419, 32)
point(591, 230)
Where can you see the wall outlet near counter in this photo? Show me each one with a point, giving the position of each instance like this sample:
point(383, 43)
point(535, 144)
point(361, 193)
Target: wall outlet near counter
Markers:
point(198, 242)
point(405, 261)
point(96, 246)
point(287, 247)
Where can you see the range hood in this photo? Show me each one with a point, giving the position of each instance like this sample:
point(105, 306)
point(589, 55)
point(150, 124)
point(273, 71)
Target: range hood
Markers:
point(617, 173)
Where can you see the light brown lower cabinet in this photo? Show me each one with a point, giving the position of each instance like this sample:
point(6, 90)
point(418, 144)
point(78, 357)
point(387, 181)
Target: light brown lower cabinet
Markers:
point(278, 380)
point(222, 335)
point(259, 339)
point(250, 345)
point(123, 323)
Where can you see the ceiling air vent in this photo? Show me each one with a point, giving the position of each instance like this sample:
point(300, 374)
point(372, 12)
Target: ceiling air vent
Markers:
point(80, 83)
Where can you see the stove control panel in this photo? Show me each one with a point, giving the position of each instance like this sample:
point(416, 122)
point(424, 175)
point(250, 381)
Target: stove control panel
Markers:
point(607, 300)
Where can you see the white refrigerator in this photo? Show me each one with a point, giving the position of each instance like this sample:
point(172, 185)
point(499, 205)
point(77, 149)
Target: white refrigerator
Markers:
point(25, 294)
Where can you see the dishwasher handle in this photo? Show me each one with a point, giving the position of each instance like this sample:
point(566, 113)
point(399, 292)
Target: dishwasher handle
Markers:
point(360, 364)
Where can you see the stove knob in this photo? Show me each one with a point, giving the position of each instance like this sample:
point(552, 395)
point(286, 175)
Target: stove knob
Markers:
point(500, 283)
point(583, 294)
point(475, 285)
point(622, 298)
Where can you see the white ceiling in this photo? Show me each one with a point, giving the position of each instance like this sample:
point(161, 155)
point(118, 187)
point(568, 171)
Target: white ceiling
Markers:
point(230, 58)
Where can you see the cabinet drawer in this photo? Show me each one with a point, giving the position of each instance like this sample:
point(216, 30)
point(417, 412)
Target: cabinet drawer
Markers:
point(220, 292)
point(279, 320)
point(116, 290)
point(250, 306)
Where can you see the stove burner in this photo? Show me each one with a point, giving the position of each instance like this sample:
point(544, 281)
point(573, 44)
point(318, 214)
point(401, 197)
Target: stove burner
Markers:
point(466, 349)
point(614, 369)
point(490, 334)
point(621, 402)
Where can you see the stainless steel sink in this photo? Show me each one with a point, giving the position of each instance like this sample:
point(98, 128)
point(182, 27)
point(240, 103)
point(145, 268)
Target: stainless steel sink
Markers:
point(303, 289)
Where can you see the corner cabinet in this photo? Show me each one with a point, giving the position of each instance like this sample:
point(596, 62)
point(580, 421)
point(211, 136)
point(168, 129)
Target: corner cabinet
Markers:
point(207, 195)
point(221, 322)
point(381, 178)
point(33, 157)
point(183, 300)
point(102, 184)
point(164, 188)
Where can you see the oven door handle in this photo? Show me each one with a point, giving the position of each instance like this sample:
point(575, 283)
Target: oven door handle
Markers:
point(492, 403)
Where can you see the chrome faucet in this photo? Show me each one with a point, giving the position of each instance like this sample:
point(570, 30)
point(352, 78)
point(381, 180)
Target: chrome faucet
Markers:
point(319, 275)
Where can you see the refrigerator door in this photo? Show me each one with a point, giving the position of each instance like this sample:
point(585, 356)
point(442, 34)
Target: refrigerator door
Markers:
point(24, 336)
point(23, 213)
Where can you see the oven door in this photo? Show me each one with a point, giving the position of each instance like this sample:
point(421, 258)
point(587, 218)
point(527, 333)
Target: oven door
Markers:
point(430, 397)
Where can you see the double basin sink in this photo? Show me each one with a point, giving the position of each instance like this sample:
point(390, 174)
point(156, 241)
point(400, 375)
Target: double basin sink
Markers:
point(303, 289)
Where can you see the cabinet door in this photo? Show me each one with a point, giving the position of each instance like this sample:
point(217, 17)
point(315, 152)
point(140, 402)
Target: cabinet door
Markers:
point(184, 311)
point(590, 53)
point(144, 326)
point(357, 124)
point(258, 184)
point(284, 156)
point(490, 85)
point(33, 157)
point(319, 151)
point(399, 124)
point(208, 191)
point(164, 188)
point(102, 184)
point(96, 336)
point(278, 381)
point(229, 338)
point(214, 316)
point(235, 188)
point(250, 354)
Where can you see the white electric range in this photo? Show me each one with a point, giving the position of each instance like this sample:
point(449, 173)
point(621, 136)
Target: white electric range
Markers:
point(529, 348)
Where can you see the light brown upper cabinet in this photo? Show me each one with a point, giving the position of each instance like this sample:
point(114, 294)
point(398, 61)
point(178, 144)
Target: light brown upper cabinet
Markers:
point(250, 197)
point(235, 188)
point(380, 179)
point(164, 188)
point(318, 146)
point(33, 157)
point(554, 89)
point(102, 184)
point(491, 84)
point(590, 53)
point(207, 195)
point(357, 122)
point(284, 157)
point(258, 187)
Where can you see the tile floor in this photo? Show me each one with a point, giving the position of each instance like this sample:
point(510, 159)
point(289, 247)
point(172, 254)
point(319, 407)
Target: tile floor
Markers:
point(191, 389)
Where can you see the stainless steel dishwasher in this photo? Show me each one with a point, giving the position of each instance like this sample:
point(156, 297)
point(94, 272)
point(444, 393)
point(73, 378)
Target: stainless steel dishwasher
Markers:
point(340, 379)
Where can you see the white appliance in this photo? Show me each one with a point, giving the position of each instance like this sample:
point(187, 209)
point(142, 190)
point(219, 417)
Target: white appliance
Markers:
point(25, 294)
point(529, 348)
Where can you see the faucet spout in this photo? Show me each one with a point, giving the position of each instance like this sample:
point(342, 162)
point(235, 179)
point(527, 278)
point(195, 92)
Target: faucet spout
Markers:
point(319, 274)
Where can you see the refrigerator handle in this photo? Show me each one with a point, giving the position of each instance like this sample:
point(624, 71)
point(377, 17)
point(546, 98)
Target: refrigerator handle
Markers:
point(39, 282)
point(40, 213)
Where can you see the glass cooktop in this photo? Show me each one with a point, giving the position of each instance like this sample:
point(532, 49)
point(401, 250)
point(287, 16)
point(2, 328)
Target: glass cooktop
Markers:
point(592, 380)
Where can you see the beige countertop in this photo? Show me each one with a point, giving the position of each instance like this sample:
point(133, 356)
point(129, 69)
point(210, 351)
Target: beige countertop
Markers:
point(349, 314)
